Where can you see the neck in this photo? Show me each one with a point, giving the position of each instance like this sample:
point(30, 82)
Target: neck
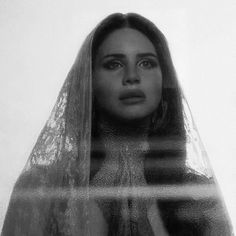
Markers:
point(125, 147)
point(135, 129)
point(129, 138)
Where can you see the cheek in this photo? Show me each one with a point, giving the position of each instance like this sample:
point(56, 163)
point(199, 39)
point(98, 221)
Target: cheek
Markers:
point(155, 96)
point(104, 93)
point(99, 86)
point(100, 94)
point(154, 89)
point(106, 84)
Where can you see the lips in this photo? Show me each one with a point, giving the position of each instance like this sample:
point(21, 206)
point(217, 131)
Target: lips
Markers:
point(132, 96)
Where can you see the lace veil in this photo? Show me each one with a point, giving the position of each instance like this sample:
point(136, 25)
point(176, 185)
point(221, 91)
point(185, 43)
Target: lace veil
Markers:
point(59, 164)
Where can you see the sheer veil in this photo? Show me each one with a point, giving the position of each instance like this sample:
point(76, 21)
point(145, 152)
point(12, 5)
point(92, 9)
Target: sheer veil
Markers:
point(54, 184)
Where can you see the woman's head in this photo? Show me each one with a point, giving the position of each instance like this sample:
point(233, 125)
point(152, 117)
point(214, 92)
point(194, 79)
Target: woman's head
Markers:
point(127, 76)
point(133, 74)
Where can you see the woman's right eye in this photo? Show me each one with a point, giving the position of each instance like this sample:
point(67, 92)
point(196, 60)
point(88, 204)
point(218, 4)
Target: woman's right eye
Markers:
point(112, 65)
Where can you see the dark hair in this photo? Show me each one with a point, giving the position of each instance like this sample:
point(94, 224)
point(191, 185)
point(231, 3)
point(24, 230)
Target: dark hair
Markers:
point(167, 134)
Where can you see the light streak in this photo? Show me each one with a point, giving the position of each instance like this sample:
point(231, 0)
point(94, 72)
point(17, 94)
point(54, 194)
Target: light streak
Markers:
point(175, 192)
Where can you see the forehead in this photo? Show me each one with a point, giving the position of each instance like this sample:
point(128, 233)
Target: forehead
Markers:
point(126, 40)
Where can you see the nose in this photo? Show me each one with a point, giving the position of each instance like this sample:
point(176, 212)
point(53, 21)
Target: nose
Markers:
point(131, 76)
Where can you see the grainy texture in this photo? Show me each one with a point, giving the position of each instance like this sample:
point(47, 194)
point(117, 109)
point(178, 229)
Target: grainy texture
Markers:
point(61, 160)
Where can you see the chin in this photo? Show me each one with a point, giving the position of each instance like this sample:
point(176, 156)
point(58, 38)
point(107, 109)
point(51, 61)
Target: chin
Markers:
point(132, 117)
point(136, 114)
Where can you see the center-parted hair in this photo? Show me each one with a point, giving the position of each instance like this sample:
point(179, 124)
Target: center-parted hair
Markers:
point(166, 158)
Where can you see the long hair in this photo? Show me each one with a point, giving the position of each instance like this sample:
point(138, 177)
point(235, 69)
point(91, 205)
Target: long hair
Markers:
point(44, 199)
point(165, 163)
point(167, 133)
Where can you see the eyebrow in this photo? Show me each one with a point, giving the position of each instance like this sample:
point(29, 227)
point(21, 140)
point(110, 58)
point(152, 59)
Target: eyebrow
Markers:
point(121, 55)
point(147, 54)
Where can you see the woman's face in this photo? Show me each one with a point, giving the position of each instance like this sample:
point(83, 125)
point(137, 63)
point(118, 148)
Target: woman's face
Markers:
point(127, 78)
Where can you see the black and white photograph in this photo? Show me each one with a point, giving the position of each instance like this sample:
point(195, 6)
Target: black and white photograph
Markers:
point(117, 118)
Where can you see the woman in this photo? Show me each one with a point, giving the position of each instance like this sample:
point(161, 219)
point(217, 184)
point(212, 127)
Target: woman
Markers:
point(119, 128)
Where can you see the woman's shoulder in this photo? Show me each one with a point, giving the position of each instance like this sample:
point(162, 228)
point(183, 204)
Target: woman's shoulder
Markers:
point(200, 212)
point(35, 176)
point(191, 176)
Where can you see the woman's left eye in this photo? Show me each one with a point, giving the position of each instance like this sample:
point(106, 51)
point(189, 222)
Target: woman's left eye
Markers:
point(147, 64)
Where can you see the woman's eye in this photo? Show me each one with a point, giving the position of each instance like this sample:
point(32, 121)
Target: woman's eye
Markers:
point(112, 65)
point(147, 64)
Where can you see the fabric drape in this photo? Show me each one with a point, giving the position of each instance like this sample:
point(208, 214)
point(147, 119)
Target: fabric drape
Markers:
point(52, 193)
